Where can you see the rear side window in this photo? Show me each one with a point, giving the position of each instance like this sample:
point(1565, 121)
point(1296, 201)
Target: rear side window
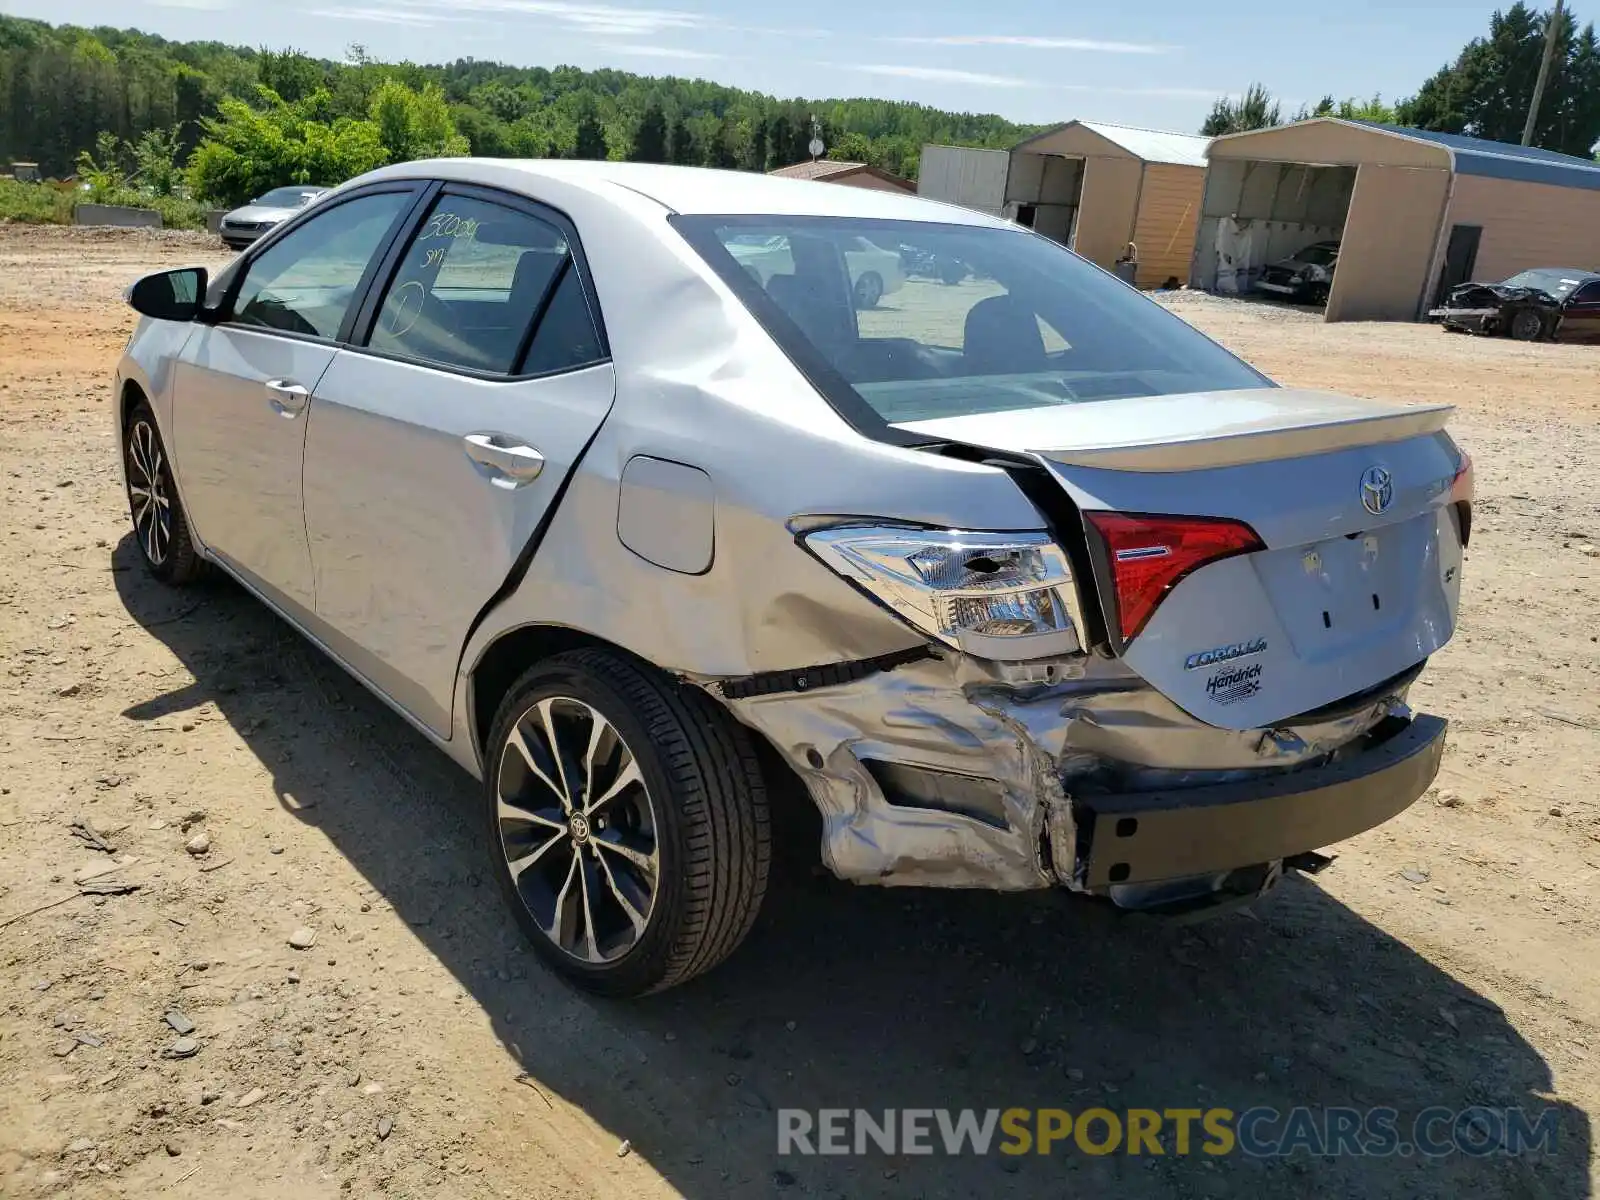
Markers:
point(305, 282)
point(909, 321)
point(471, 285)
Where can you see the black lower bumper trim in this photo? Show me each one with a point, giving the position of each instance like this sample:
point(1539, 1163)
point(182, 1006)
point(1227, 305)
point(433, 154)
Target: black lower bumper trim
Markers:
point(1150, 836)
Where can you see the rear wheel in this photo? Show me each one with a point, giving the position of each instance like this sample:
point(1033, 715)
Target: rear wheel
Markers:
point(1527, 325)
point(160, 526)
point(869, 290)
point(627, 820)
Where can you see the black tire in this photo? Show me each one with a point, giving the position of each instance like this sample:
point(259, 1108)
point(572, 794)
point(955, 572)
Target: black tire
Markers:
point(868, 290)
point(160, 526)
point(1526, 325)
point(708, 816)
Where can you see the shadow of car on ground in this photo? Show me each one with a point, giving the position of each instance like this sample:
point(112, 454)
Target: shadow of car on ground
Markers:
point(863, 998)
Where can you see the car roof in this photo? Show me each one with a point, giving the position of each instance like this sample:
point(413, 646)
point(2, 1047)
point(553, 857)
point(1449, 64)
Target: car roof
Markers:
point(698, 190)
point(1577, 274)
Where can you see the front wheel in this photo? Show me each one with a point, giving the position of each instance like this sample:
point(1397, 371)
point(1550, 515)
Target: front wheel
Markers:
point(627, 822)
point(1527, 325)
point(160, 526)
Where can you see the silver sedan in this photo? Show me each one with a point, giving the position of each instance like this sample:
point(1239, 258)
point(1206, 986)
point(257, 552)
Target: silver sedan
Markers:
point(265, 213)
point(1017, 582)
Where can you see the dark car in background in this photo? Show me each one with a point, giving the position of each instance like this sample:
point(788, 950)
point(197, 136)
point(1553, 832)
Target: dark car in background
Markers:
point(266, 212)
point(1542, 304)
point(1305, 277)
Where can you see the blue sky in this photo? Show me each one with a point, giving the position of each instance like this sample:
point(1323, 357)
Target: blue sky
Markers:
point(1157, 63)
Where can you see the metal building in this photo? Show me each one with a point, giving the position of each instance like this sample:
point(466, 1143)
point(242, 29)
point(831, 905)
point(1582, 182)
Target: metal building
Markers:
point(1093, 186)
point(1415, 212)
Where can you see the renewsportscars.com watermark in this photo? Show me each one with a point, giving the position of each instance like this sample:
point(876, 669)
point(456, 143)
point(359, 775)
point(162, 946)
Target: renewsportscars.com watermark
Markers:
point(1477, 1132)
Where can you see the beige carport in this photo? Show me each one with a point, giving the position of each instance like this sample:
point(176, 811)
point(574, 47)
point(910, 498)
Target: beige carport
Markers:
point(1416, 212)
point(1097, 187)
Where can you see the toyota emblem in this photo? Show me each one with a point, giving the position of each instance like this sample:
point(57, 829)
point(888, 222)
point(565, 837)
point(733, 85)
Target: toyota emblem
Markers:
point(1377, 490)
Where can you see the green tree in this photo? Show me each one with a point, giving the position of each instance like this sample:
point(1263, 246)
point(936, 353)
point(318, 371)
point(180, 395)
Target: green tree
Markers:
point(245, 151)
point(155, 157)
point(780, 141)
point(722, 149)
point(650, 137)
point(102, 168)
point(1256, 109)
point(415, 124)
point(680, 144)
point(1487, 90)
point(590, 141)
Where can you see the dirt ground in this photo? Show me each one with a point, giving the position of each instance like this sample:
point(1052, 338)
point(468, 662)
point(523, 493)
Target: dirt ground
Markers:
point(416, 1049)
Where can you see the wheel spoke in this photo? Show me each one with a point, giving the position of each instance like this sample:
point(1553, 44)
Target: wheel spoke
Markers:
point(612, 842)
point(548, 721)
point(519, 865)
point(517, 742)
point(556, 931)
point(626, 778)
point(598, 728)
point(512, 810)
point(635, 917)
point(591, 943)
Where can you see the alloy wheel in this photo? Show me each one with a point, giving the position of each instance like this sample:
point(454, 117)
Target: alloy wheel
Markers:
point(147, 493)
point(577, 829)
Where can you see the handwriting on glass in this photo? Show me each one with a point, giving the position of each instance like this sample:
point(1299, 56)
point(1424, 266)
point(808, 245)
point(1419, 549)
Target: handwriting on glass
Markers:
point(450, 227)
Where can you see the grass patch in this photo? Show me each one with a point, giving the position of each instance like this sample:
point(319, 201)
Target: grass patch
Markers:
point(35, 203)
point(46, 204)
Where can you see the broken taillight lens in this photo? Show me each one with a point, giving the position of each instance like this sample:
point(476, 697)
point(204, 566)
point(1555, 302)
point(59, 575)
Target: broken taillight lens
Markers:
point(1461, 489)
point(1150, 554)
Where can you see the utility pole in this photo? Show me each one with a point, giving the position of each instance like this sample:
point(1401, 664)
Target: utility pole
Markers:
point(1544, 73)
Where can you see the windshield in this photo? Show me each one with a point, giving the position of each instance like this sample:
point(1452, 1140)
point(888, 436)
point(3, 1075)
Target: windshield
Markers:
point(1553, 280)
point(960, 320)
point(286, 197)
point(1317, 254)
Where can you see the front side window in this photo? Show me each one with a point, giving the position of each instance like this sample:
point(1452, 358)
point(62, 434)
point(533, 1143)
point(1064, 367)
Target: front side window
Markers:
point(306, 281)
point(956, 319)
point(469, 286)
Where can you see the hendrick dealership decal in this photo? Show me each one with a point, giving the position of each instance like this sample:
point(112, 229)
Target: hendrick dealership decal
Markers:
point(1222, 654)
point(1234, 684)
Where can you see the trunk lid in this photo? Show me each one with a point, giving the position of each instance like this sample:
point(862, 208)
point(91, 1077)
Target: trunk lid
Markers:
point(1341, 597)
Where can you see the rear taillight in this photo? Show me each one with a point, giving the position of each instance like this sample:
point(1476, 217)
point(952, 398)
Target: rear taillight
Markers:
point(1461, 485)
point(1461, 489)
point(1148, 555)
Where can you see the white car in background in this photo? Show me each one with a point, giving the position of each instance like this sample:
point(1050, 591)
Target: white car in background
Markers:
point(874, 272)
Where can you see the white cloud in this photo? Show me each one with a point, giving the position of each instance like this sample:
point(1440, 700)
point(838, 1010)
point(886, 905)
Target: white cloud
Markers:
point(661, 52)
point(207, 5)
point(384, 16)
point(1088, 45)
point(942, 75)
point(601, 20)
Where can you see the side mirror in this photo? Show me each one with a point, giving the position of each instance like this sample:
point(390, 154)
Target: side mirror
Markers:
point(170, 295)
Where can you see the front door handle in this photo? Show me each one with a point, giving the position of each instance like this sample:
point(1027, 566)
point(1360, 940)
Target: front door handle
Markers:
point(287, 397)
point(509, 463)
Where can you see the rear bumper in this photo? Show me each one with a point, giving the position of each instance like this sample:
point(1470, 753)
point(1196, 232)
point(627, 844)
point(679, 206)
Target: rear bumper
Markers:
point(1153, 836)
point(934, 774)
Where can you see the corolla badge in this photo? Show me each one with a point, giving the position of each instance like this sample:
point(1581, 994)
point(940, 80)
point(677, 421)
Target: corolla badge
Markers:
point(1377, 490)
point(1222, 654)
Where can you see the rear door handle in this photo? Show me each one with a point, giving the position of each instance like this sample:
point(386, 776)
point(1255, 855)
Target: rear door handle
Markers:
point(287, 397)
point(510, 463)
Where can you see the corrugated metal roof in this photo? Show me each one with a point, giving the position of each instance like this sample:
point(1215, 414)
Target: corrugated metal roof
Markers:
point(1501, 160)
point(1154, 145)
point(819, 168)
